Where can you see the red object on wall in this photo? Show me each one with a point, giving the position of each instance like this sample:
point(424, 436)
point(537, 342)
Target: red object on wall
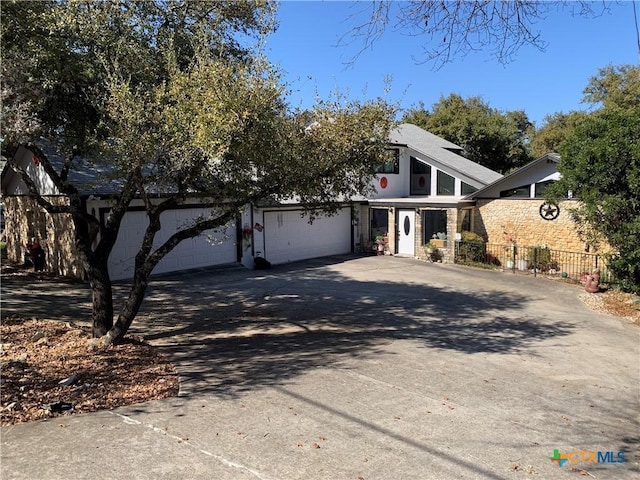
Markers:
point(383, 182)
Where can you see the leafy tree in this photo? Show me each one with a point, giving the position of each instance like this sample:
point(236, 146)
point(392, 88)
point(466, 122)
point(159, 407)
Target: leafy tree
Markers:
point(614, 87)
point(489, 137)
point(601, 166)
point(455, 28)
point(556, 129)
point(168, 96)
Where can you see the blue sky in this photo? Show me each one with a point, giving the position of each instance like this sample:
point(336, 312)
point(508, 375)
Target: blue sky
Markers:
point(306, 47)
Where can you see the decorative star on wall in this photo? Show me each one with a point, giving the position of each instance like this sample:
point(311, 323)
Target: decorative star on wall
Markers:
point(549, 211)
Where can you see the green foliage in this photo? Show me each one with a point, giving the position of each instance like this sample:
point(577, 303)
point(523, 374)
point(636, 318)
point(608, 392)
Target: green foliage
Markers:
point(556, 129)
point(3, 249)
point(467, 236)
point(601, 166)
point(541, 259)
point(614, 87)
point(58, 57)
point(174, 97)
point(489, 137)
point(471, 249)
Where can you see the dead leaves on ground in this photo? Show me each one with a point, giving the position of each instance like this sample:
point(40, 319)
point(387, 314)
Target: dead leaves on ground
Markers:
point(51, 368)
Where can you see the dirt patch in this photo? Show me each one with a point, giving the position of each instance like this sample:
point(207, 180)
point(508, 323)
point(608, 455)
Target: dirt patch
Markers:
point(50, 368)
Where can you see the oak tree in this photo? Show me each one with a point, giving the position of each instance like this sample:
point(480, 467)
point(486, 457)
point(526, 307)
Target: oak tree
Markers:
point(177, 100)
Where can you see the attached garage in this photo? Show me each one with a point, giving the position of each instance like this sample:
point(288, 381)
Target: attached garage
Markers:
point(215, 248)
point(289, 237)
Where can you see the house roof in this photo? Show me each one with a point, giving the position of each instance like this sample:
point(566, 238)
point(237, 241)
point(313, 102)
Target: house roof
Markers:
point(87, 176)
point(552, 157)
point(440, 150)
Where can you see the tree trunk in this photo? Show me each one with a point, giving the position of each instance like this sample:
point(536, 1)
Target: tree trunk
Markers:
point(102, 297)
point(130, 309)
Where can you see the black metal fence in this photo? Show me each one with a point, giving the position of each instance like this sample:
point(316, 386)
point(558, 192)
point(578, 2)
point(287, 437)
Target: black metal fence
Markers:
point(535, 260)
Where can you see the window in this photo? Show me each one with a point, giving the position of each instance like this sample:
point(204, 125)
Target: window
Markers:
point(541, 187)
point(379, 222)
point(465, 221)
point(467, 189)
point(446, 184)
point(392, 162)
point(420, 177)
point(433, 222)
point(522, 191)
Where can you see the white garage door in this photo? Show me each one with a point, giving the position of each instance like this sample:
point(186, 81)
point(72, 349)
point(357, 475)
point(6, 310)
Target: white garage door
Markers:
point(196, 252)
point(289, 237)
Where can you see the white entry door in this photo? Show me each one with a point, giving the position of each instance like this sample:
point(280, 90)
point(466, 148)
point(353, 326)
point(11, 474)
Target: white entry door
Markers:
point(406, 232)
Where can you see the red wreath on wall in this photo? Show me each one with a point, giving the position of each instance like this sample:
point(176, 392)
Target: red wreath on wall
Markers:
point(383, 182)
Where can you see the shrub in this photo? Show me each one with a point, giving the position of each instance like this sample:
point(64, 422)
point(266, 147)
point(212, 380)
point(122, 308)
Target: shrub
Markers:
point(541, 259)
point(467, 236)
point(471, 249)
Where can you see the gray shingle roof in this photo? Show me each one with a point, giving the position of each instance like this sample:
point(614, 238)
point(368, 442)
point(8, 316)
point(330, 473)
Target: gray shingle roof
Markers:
point(439, 149)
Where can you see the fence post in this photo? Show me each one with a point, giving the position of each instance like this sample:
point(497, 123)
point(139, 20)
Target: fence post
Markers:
point(515, 256)
point(535, 261)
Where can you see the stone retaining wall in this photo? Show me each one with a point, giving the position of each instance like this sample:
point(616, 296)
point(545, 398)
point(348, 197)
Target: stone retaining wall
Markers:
point(503, 220)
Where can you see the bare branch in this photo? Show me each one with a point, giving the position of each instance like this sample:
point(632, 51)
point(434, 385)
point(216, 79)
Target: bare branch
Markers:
point(455, 28)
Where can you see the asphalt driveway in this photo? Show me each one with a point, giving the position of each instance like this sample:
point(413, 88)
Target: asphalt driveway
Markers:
point(348, 368)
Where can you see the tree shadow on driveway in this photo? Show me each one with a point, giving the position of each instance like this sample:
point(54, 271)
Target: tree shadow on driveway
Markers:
point(228, 332)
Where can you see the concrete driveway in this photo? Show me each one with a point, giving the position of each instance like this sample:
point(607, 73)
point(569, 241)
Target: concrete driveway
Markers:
point(349, 368)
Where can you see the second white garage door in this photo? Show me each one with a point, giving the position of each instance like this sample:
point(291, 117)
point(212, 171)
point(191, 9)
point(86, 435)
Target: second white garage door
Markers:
point(289, 237)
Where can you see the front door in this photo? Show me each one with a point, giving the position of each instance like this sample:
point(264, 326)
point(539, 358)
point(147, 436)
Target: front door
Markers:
point(406, 232)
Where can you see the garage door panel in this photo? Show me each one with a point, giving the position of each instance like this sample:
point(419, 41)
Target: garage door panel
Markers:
point(290, 237)
point(190, 253)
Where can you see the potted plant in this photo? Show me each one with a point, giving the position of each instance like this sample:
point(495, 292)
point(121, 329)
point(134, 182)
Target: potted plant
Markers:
point(429, 248)
point(439, 240)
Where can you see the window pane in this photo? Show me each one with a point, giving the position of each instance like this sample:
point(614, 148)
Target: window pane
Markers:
point(540, 188)
point(392, 162)
point(446, 184)
point(420, 177)
point(433, 222)
point(467, 189)
point(465, 224)
point(379, 222)
point(522, 191)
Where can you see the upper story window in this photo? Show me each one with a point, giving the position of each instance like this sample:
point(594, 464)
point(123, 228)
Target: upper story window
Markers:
point(446, 184)
point(391, 163)
point(541, 187)
point(420, 177)
point(521, 191)
point(466, 189)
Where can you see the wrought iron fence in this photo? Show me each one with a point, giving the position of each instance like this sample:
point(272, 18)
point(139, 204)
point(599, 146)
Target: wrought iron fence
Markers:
point(535, 260)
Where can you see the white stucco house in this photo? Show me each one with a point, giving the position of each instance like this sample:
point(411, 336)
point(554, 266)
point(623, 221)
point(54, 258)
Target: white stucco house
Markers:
point(421, 192)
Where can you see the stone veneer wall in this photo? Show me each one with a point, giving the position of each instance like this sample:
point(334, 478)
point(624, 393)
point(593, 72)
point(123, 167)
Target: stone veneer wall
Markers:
point(522, 221)
point(448, 252)
point(25, 219)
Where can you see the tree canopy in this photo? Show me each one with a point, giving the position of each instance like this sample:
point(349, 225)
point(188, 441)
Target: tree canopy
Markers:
point(600, 165)
point(489, 137)
point(176, 97)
